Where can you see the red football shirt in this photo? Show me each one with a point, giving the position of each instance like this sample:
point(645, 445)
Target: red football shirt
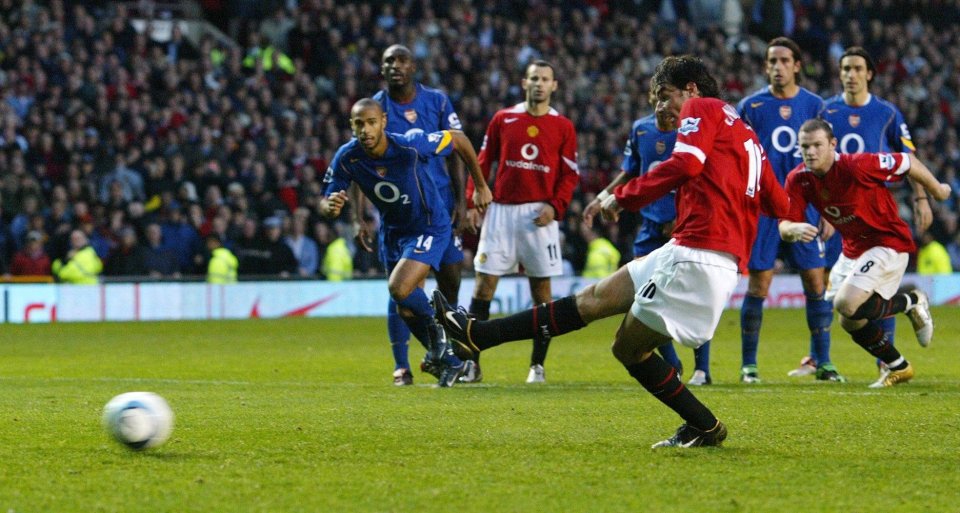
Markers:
point(536, 158)
point(852, 196)
point(722, 177)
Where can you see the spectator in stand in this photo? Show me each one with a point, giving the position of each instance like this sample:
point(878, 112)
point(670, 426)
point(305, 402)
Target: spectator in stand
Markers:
point(222, 266)
point(129, 258)
point(130, 183)
point(337, 260)
point(279, 259)
point(303, 247)
point(932, 257)
point(82, 266)
point(182, 238)
point(32, 260)
point(160, 260)
point(603, 258)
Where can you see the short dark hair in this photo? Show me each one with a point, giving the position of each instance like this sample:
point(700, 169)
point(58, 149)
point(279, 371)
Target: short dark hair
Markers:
point(540, 63)
point(814, 124)
point(859, 51)
point(680, 71)
point(788, 43)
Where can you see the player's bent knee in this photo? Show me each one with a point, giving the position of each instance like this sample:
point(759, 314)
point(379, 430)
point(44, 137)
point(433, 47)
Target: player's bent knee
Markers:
point(844, 306)
point(399, 291)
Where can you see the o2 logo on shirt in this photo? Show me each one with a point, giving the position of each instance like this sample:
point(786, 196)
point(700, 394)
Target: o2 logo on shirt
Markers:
point(689, 126)
point(389, 193)
point(788, 146)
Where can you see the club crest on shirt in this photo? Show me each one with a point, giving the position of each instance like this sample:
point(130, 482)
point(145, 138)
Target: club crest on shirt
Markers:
point(532, 131)
point(482, 257)
point(381, 171)
point(689, 126)
point(411, 115)
point(660, 147)
point(825, 195)
point(854, 120)
point(785, 111)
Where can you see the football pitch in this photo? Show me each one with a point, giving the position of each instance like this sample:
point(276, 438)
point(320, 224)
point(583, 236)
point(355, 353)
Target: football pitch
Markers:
point(301, 415)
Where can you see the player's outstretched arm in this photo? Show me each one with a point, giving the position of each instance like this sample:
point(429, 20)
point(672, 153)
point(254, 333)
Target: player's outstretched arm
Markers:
point(922, 175)
point(481, 193)
point(791, 231)
point(331, 206)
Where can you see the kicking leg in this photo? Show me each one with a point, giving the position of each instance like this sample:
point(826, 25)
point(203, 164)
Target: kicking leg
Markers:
point(612, 295)
point(634, 347)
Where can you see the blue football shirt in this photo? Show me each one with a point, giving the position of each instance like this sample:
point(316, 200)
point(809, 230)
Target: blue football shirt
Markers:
point(777, 122)
point(430, 110)
point(875, 127)
point(399, 183)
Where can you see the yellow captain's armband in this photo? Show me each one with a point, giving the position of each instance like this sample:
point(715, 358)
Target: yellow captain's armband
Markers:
point(445, 140)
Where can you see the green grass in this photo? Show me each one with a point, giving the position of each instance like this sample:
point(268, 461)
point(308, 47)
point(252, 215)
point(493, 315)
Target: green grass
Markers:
point(300, 415)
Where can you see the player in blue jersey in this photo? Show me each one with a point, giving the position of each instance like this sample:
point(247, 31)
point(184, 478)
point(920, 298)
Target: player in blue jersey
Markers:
point(392, 171)
point(775, 113)
point(864, 123)
point(650, 142)
point(414, 108)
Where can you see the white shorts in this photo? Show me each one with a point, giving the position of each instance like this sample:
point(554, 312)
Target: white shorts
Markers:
point(509, 238)
point(877, 270)
point(681, 291)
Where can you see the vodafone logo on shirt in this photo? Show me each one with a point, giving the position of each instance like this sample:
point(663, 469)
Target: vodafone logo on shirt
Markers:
point(529, 152)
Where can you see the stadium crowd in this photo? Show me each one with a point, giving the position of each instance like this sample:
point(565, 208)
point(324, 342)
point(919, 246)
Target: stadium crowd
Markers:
point(147, 147)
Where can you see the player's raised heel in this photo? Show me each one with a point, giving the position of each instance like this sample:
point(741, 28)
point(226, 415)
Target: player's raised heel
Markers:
point(921, 319)
point(456, 323)
point(689, 436)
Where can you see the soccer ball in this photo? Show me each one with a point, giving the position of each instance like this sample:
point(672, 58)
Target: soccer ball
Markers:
point(139, 420)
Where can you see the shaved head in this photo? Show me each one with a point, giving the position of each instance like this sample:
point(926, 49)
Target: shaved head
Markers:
point(364, 104)
point(396, 50)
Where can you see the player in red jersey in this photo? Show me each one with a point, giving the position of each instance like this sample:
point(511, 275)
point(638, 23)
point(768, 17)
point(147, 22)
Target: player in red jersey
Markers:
point(535, 149)
point(848, 190)
point(678, 291)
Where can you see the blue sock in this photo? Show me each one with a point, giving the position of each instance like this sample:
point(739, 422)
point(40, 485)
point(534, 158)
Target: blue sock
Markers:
point(419, 325)
point(751, 317)
point(399, 336)
point(423, 322)
point(701, 358)
point(889, 327)
point(669, 355)
point(819, 318)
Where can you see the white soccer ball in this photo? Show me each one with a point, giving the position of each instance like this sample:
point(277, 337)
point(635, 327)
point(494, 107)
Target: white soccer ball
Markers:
point(139, 420)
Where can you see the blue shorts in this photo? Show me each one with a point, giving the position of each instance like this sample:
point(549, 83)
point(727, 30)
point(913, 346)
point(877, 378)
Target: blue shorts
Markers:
point(429, 247)
point(800, 255)
point(649, 238)
point(454, 252)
